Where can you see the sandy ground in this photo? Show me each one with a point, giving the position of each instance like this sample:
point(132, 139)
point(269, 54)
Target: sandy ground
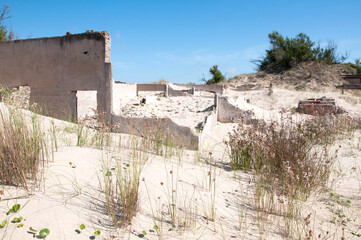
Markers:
point(210, 200)
point(186, 111)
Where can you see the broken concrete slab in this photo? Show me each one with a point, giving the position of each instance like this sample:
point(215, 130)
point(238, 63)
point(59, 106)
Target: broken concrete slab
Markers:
point(317, 106)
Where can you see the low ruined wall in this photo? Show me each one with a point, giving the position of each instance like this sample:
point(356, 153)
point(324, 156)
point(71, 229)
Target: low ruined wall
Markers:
point(153, 127)
point(218, 89)
point(350, 86)
point(55, 68)
point(18, 96)
point(208, 124)
point(319, 106)
point(121, 91)
point(230, 113)
point(175, 93)
point(353, 81)
point(151, 87)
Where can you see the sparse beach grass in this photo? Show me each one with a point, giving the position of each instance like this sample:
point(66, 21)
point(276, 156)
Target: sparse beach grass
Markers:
point(22, 149)
point(260, 188)
point(289, 161)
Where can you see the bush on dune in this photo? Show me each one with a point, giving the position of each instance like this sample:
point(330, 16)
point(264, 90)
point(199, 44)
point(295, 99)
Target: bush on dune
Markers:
point(285, 52)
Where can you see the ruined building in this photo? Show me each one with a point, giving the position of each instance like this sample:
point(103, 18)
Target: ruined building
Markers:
point(58, 69)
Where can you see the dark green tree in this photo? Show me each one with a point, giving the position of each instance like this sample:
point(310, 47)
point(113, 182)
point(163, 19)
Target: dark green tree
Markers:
point(5, 34)
point(217, 75)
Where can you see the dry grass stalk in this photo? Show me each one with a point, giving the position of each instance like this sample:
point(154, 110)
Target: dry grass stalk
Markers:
point(22, 148)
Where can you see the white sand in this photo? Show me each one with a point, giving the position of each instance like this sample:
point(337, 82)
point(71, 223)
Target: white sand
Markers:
point(71, 195)
point(186, 111)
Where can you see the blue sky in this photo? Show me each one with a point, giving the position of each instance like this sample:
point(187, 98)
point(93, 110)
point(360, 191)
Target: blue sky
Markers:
point(179, 40)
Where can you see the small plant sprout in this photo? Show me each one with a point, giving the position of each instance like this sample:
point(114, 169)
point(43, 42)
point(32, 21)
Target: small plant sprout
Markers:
point(44, 233)
point(17, 220)
point(3, 223)
point(14, 209)
point(82, 227)
point(32, 231)
point(97, 233)
point(356, 233)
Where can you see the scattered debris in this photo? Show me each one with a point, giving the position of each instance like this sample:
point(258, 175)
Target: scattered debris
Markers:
point(318, 106)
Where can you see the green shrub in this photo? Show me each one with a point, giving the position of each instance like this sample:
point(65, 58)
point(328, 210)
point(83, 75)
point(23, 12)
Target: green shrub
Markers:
point(217, 75)
point(356, 66)
point(286, 52)
point(5, 34)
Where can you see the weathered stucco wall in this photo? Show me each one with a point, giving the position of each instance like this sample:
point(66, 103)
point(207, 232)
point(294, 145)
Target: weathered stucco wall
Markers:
point(227, 112)
point(55, 68)
point(86, 104)
point(151, 87)
point(121, 92)
point(175, 93)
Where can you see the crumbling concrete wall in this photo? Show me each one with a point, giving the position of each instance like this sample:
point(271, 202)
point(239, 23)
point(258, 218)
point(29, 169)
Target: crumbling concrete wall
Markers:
point(151, 87)
point(208, 124)
point(18, 96)
point(55, 68)
point(352, 79)
point(188, 88)
point(175, 93)
point(157, 128)
point(122, 92)
point(227, 112)
point(318, 106)
point(218, 89)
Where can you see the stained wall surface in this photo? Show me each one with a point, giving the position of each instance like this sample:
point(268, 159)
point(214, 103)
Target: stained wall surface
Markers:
point(229, 113)
point(54, 68)
point(86, 102)
point(149, 87)
point(121, 93)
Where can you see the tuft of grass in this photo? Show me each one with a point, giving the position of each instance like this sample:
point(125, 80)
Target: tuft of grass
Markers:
point(292, 156)
point(122, 188)
point(22, 148)
point(122, 194)
point(290, 160)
